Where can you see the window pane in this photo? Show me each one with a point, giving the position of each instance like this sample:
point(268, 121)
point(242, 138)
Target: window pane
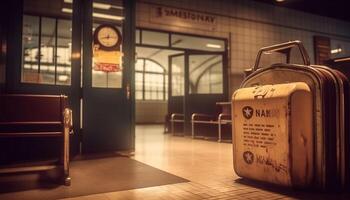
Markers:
point(139, 65)
point(139, 95)
point(99, 79)
point(139, 81)
point(137, 36)
point(107, 44)
point(160, 95)
point(49, 61)
point(201, 43)
point(177, 71)
point(47, 47)
point(155, 38)
point(152, 66)
point(154, 83)
point(107, 65)
point(154, 95)
point(147, 95)
point(206, 75)
point(114, 80)
point(30, 44)
point(166, 87)
point(64, 49)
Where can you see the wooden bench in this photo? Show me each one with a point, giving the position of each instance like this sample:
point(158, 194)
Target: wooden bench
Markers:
point(177, 122)
point(37, 116)
point(201, 120)
point(224, 118)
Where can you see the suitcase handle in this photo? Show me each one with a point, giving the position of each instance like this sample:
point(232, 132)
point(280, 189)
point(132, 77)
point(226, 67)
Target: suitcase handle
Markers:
point(283, 48)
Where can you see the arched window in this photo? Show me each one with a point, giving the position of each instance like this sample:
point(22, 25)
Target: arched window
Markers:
point(150, 80)
point(206, 75)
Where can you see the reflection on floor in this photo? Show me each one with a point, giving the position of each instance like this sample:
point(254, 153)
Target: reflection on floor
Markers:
point(207, 164)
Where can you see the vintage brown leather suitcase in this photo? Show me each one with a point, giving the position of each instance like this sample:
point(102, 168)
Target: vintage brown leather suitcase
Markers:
point(330, 117)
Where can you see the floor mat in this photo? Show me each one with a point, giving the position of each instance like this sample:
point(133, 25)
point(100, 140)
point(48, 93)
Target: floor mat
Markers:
point(90, 177)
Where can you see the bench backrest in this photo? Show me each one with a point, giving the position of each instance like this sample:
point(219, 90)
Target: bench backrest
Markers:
point(26, 121)
point(31, 108)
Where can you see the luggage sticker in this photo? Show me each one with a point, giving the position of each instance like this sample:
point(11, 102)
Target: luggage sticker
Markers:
point(262, 151)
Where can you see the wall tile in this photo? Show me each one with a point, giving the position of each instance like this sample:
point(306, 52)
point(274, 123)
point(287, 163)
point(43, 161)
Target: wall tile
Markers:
point(252, 25)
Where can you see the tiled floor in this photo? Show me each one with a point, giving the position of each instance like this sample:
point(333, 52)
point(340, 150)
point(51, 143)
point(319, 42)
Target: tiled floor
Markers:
point(208, 166)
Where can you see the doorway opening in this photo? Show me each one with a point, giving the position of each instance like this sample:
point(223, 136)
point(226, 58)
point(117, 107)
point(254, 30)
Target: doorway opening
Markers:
point(151, 84)
point(178, 73)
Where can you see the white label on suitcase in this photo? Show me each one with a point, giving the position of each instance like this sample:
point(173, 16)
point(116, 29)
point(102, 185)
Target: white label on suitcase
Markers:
point(261, 134)
point(263, 147)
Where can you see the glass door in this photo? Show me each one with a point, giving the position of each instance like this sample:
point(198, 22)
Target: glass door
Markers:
point(197, 81)
point(107, 99)
point(206, 82)
point(176, 83)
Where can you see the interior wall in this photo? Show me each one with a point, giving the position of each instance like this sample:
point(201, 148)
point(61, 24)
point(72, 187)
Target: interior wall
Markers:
point(248, 25)
point(2, 55)
point(236, 80)
point(148, 112)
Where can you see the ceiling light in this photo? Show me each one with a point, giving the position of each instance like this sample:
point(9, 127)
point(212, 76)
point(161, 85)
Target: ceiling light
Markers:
point(342, 59)
point(118, 7)
point(334, 51)
point(102, 6)
point(280, 1)
point(99, 5)
point(105, 16)
point(98, 15)
point(67, 10)
point(216, 46)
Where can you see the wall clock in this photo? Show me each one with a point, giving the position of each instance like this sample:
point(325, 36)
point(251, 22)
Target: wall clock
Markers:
point(107, 37)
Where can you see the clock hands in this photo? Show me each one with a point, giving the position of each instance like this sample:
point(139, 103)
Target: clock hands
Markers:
point(108, 37)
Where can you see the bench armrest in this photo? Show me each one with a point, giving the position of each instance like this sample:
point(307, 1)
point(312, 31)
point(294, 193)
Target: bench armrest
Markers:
point(200, 116)
point(68, 118)
point(223, 116)
point(177, 116)
point(68, 124)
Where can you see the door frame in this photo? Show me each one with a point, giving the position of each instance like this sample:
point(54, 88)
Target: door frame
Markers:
point(224, 52)
point(187, 96)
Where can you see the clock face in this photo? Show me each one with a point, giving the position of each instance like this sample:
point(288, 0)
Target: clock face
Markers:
point(108, 36)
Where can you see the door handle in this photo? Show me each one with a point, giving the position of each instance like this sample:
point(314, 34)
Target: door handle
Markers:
point(128, 91)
